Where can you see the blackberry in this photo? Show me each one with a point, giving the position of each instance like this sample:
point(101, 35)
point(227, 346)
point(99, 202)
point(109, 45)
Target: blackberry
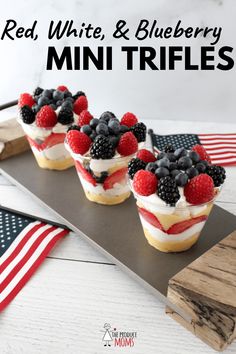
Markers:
point(78, 94)
point(217, 173)
point(37, 91)
point(73, 127)
point(27, 115)
point(139, 130)
point(134, 166)
point(168, 190)
point(169, 148)
point(101, 178)
point(65, 116)
point(102, 148)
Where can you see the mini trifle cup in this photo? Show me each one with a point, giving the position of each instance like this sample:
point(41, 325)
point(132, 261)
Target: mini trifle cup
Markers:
point(45, 117)
point(102, 149)
point(175, 192)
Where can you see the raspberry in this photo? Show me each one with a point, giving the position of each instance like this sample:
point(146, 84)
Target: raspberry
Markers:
point(145, 182)
point(84, 118)
point(26, 100)
point(199, 149)
point(146, 156)
point(78, 142)
point(62, 88)
point(80, 104)
point(127, 145)
point(200, 189)
point(129, 119)
point(46, 117)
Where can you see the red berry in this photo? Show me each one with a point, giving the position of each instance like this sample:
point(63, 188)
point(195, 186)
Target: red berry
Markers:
point(26, 99)
point(46, 117)
point(115, 177)
point(78, 141)
point(80, 104)
point(84, 173)
point(200, 189)
point(146, 155)
point(199, 149)
point(127, 145)
point(150, 218)
point(84, 118)
point(145, 182)
point(184, 225)
point(129, 119)
point(62, 88)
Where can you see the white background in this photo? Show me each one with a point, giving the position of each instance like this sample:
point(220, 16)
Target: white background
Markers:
point(178, 95)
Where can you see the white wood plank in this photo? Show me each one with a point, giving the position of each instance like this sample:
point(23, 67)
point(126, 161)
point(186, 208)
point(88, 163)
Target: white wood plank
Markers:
point(65, 305)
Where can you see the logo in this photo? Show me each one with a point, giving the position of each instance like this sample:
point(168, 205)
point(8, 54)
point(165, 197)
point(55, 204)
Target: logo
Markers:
point(113, 337)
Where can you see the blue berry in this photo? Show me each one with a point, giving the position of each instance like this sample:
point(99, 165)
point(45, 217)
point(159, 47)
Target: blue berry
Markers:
point(192, 172)
point(181, 179)
point(174, 173)
point(53, 106)
point(67, 104)
point(86, 129)
point(58, 95)
point(162, 172)
point(161, 155)
point(171, 156)
point(47, 93)
point(114, 126)
point(93, 135)
point(164, 162)
point(194, 156)
point(124, 129)
point(58, 103)
point(201, 167)
point(94, 122)
point(184, 163)
point(151, 167)
point(107, 116)
point(180, 152)
point(114, 140)
point(42, 101)
point(173, 166)
point(102, 129)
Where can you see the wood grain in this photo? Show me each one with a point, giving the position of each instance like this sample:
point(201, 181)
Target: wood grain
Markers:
point(12, 138)
point(206, 290)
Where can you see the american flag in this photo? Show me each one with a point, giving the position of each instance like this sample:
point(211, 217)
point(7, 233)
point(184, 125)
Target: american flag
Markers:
point(220, 147)
point(24, 244)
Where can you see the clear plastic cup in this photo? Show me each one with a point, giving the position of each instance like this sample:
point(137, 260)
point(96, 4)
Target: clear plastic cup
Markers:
point(47, 145)
point(172, 229)
point(103, 181)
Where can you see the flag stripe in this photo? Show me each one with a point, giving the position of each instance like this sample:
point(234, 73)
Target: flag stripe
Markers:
point(220, 147)
point(23, 280)
point(205, 136)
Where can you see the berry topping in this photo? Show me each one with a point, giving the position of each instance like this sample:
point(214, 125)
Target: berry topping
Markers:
point(78, 141)
point(78, 94)
point(106, 116)
point(181, 179)
point(192, 172)
point(145, 182)
point(93, 123)
point(80, 104)
point(199, 149)
point(169, 148)
point(151, 167)
point(102, 148)
point(26, 100)
point(129, 119)
point(84, 117)
point(217, 173)
point(62, 88)
point(37, 91)
point(139, 130)
point(146, 155)
point(85, 174)
point(200, 189)
point(65, 116)
point(46, 117)
point(168, 190)
point(135, 165)
point(127, 145)
point(27, 115)
point(114, 126)
point(161, 172)
point(184, 163)
point(73, 127)
point(116, 177)
point(102, 129)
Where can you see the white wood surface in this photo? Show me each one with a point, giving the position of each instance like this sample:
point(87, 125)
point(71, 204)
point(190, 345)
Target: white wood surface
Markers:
point(64, 306)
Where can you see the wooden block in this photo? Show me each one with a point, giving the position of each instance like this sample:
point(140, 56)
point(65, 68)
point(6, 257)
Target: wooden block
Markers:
point(206, 291)
point(12, 139)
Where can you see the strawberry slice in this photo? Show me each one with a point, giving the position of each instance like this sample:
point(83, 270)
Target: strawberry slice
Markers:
point(184, 225)
point(115, 177)
point(150, 218)
point(84, 173)
point(51, 140)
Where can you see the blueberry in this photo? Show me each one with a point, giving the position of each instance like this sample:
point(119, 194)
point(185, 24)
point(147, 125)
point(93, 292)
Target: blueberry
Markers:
point(173, 166)
point(194, 156)
point(67, 94)
point(161, 155)
point(151, 167)
point(102, 129)
point(94, 122)
point(58, 103)
point(58, 95)
point(53, 106)
point(174, 173)
point(192, 172)
point(180, 152)
point(161, 172)
point(181, 179)
point(93, 135)
point(114, 126)
point(164, 162)
point(47, 93)
point(42, 101)
point(67, 104)
point(36, 108)
point(204, 163)
point(201, 167)
point(70, 99)
point(171, 156)
point(107, 116)
point(184, 163)
point(86, 129)
point(124, 129)
point(114, 140)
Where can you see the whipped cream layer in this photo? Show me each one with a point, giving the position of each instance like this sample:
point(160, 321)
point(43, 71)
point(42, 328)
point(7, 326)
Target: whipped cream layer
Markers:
point(116, 190)
point(55, 152)
point(161, 236)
